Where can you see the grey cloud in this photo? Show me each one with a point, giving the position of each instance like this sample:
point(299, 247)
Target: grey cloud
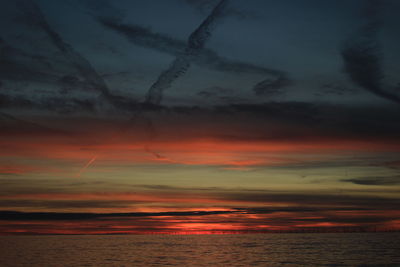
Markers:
point(362, 54)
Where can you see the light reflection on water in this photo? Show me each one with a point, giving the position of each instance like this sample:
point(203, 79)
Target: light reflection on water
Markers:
point(355, 249)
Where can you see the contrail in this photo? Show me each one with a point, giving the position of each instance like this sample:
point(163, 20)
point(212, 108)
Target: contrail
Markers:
point(362, 54)
point(90, 162)
point(182, 62)
point(36, 17)
point(150, 134)
point(180, 65)
point(195, 44)
point(144, 37)
point(207, 58)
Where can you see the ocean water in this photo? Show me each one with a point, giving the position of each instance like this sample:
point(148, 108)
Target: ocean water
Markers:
point(352, 249)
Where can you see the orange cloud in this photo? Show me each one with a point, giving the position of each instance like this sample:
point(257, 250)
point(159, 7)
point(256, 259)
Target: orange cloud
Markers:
point(23, 169)
point(210, 152)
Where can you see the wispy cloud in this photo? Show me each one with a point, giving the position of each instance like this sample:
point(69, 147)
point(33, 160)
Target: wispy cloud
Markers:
point(35, 16)
point(362, 54)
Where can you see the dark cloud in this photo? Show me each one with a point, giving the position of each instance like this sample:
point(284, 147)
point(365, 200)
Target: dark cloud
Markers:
point(41, 222)
point(35, 17)
point(64, 204)
point(308, 199)
point(11, 125)
point(57, 104)
point(384, 180)
point(215, 91)
point(362, 54)
point(295, 209)
point(221, 94)
point(334, 88)
point(51, 216)
point(271, 87)
point(391, 164)
point(36, 72)
point(234, 122)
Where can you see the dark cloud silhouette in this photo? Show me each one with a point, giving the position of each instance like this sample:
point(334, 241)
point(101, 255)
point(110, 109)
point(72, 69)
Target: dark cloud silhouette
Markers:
point(335, 88)
point(52, 216)
point(362, 54)
point(221, 94)
point(319, 200)
point(59, 104)
point(11, 125)
point(240, 122)
point(384, 180)
point(271, 87)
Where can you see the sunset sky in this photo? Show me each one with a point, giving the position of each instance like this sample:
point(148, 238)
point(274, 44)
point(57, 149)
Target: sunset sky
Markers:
point(199, 116)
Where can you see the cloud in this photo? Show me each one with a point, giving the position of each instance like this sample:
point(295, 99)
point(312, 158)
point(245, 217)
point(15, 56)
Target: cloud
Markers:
point(200, 209)
point(362, 54)
point(271, 87)
point(391, 164)
point(35, 17)
point(335, 88)
point(207, 58)
point(180, 65)
point(278, 121)
point(51, 216)
point(16, 126)
point(308, 199)
point(20, 169)
point(384, 180)
point(60, 104)
point(220, 94)
point(236, 220)
point(19, 66)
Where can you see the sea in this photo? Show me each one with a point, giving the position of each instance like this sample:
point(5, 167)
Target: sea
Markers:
point(283, 249)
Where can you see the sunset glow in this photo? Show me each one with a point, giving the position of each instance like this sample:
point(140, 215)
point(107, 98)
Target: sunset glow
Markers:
point(198, 117)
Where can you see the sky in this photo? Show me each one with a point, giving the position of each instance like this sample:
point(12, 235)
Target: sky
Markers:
point(199, 116)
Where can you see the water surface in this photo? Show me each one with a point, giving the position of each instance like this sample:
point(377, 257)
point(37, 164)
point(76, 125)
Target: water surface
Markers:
point(354, 249)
